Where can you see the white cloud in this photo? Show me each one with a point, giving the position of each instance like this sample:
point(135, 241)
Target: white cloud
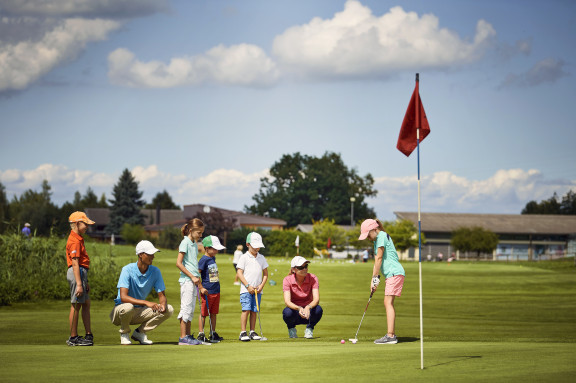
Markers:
point(241, 65)
point(548, 70)
point(506, 192)
point(357, 43)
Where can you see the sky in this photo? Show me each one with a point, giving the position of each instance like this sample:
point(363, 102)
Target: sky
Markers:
point(201, 98)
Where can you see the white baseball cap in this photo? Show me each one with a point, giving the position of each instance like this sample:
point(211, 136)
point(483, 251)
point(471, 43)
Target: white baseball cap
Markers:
point(298, 261)
point(145, 247)
point(212, 241)
point(255, 240)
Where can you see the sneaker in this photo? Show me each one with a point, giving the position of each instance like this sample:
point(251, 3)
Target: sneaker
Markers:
point(201, 337)
point(215, 337)
point(193, 341)
point(125, 339)
point(78, 341)
point(89, 338)
point(244, 337)
point(292, 332)
point(387, 340)
point(141, 337)
point(254, 335)
point(309, 333)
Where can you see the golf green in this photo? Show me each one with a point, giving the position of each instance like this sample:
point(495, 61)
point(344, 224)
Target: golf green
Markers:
point(482, 322)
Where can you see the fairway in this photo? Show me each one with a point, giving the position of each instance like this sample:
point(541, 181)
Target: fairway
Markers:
point(482, 322)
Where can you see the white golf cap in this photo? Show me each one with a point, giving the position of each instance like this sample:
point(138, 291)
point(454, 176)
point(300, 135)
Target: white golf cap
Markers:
point(298, 261)
point(255, 240)
point(145, 247)
point(212, 241)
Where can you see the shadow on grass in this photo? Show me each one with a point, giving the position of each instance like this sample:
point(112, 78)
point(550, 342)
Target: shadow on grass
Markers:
point(407, 339)
point(457, 359)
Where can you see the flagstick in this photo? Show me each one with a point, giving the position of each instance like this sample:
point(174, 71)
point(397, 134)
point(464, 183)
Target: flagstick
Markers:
point(419, 224)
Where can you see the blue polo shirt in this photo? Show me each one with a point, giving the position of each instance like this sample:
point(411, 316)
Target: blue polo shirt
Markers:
point(139, 285)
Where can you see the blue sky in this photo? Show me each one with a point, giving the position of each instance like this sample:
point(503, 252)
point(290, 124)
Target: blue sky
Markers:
point(201, 97)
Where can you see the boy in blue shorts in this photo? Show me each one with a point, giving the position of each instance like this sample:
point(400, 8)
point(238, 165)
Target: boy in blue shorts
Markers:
point(210, 288)
point(253, 274)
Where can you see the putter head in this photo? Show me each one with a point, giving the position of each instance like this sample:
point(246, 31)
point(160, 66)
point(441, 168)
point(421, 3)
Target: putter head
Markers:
point(263, 338)
point(353, 340)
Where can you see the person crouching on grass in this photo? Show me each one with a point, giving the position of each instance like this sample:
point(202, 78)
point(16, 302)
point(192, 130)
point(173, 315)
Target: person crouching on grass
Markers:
point(210, 288)
point(77, 276)
point(385, 261)
point(134, 285)
point(253, 274)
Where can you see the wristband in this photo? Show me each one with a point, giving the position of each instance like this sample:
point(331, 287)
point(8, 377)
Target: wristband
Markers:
point(246, 286)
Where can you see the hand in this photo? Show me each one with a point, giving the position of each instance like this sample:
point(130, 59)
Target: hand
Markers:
point(374, 283)
point(304, 312)
point(259, 289)
point(161, 308)
point(79, 290)
point(203, 291)
point(251, 290)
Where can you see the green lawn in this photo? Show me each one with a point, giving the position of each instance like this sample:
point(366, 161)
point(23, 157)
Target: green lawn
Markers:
point(482, 322)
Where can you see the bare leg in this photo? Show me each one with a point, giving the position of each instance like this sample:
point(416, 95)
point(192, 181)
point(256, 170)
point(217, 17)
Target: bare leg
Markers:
point(86, 317)
point(252, 320)
point(73, 318)
point(390, 313)
point(244, 320)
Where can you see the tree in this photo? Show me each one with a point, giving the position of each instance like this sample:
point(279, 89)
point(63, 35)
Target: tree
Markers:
point(4, 206)
point(216, 224)
point(475, 239)
point(325, 230)
point(303, 188)
point(568, 204)
point(35, 208)
point(553, 205)
point(403, 233)
point(163, 200)
point(126, 205)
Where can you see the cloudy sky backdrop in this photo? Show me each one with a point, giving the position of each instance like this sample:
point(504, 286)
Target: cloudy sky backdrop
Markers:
point(201, 97)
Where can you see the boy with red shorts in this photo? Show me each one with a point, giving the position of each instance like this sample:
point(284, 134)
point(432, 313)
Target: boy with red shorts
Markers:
point(209, 288)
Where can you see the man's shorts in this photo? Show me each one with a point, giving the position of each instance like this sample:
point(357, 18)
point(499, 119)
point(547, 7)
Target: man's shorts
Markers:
point(248, 302)
point(213, 304)
point(72, 283)
point(394, 285)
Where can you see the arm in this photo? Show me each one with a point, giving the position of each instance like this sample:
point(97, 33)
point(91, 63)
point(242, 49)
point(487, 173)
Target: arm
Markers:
point(162, 302)
point(125, 298)
point(183, 269)
point(243, 280)
point(377, 265)
point(76, 269)
point(288, 301)
point(264, 279)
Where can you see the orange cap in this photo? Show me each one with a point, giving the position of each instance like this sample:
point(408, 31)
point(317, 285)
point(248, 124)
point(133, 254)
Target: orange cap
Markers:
point(80, 216)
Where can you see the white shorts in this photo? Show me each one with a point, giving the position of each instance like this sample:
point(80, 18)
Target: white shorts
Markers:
point(188, 296)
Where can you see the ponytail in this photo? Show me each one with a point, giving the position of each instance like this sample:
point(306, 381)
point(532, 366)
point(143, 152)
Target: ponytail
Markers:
point(193, 224)
point(379, 224)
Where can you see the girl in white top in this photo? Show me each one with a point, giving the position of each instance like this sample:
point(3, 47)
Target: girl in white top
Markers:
point(190, 282)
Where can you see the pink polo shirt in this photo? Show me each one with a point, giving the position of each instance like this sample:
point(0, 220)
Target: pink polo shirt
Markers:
point(301, 295)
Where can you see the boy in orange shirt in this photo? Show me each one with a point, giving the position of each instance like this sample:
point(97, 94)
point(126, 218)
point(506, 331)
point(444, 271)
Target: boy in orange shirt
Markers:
point(77, 275)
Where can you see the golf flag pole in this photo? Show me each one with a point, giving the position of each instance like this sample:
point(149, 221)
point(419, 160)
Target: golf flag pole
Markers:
point(414, 129)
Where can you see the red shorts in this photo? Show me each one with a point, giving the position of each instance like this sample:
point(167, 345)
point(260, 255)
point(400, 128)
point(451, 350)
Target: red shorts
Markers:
point(213, 303)
point(394, 285)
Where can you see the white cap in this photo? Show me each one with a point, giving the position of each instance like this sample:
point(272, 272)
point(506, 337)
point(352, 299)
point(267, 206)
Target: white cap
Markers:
point(298, 261)
point(145, 247)
point(212, 241)
point(255, 240)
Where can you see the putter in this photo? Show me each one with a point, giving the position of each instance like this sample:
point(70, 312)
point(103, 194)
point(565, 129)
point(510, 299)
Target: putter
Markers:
point(355, 339)
point(210, 319)
point(200, 301)
point(262, 337)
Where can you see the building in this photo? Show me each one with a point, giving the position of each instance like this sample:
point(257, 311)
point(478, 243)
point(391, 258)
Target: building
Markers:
point(156, 220)
point(521, 237)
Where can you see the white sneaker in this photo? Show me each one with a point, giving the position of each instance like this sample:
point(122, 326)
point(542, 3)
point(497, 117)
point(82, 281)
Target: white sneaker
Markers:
point(141, 337)
point(125, 339)
point(308, 333)
point(254, 336)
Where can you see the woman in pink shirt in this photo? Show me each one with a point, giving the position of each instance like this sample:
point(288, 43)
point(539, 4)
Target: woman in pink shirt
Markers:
point(301, 296)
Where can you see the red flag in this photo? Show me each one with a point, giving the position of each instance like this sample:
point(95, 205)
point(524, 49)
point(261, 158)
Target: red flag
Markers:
point(329, 243)
point(415, 118)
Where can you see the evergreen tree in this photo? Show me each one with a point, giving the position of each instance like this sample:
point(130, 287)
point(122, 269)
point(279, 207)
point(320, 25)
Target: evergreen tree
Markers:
point(4, 217)
point(35, 208)
point(90, 199)
point(126, 205)
point(102, 202)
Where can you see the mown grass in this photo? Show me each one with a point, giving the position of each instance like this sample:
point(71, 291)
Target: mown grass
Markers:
point(482, 322)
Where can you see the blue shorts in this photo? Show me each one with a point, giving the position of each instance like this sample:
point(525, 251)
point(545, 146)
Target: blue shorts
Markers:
point(248, 302)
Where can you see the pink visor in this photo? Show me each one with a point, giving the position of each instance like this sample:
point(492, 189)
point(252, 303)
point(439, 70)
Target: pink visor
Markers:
point(365, 228)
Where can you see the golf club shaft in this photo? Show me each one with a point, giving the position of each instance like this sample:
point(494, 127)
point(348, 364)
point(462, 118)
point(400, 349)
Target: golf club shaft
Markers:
point(258, 311)
point(209, 317)
point(366, 309)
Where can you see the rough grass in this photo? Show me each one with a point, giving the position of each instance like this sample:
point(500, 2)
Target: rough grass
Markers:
point(482, 322)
